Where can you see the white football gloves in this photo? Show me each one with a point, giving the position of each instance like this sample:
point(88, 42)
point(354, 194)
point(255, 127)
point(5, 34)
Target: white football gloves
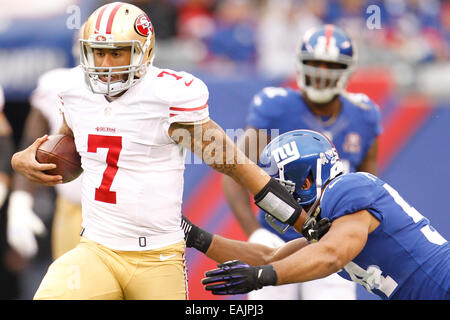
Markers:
point(265, 237)
point(23, 224)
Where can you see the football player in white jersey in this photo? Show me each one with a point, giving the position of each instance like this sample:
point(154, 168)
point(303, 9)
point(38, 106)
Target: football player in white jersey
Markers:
point(132, 123)
point(6, 145)
point(23, 223)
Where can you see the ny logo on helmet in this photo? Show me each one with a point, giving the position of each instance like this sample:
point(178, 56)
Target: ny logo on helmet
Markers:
point(286, 153)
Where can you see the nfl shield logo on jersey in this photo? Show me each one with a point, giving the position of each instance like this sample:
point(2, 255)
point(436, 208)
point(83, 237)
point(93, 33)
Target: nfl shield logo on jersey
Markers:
point(352, 143)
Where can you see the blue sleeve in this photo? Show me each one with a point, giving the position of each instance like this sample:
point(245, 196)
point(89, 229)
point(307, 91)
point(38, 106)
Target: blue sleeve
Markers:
point(373, 117)
point(348, 194)
point(371, 114)
point(376, 119)
point(265, 109)
point(374, 128)
point(371, 122)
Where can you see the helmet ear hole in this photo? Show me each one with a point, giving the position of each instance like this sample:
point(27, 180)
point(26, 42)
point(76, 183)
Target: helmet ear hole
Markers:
point(309, 181)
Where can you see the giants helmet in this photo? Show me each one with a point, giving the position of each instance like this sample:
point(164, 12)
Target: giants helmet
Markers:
point(293, 156)
point(327, 43)
point(112, 26)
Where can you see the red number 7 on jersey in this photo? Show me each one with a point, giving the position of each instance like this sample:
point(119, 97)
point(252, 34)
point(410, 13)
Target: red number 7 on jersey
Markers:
point(114, 146)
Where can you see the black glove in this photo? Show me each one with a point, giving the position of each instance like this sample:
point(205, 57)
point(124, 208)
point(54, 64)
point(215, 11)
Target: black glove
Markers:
point(315, 230)
point(195, 237)
point(236, 277)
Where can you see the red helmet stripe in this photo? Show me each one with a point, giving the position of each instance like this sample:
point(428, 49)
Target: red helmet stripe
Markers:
point(328, 33)
point(99, 19)
point(111, 18)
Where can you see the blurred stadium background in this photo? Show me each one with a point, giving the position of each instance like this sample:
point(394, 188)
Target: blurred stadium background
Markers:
point(238, 47)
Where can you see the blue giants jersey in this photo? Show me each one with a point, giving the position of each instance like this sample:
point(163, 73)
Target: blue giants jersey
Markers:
point(404, 257)
point(352, 132)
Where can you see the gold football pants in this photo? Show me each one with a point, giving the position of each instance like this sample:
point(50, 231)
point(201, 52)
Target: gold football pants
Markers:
point(93, 271)
point(66, 226)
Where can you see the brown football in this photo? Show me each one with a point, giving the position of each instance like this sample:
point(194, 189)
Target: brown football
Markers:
point(60, 149)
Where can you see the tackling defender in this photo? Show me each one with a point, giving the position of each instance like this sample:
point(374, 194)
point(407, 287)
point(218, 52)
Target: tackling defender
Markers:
point(376, 238)
point(325, 60)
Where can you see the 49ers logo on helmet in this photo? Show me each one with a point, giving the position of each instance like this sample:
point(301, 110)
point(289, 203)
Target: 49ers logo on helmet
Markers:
point(143, 26)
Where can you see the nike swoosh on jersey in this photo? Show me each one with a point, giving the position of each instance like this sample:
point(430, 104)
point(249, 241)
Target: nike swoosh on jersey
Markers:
point(164, 258)
point(188, 83)
point(333, 183)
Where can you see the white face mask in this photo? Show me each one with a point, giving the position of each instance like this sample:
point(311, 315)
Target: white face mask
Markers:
point(135, 70)
point(322, 95)
point(322, 85)
point(109, 88)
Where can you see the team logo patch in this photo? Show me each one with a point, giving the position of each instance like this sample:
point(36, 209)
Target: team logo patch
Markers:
point(143, 25)
point(100, 38)
point(286, 153)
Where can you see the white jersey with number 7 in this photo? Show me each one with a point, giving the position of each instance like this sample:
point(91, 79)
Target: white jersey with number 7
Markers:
point(133, 171)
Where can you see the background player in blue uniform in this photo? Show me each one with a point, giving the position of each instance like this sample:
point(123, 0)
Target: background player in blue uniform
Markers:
point(376, 238)
point(326, 60)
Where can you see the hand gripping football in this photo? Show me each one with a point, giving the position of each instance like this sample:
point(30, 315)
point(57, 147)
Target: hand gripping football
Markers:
point(60, 150)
